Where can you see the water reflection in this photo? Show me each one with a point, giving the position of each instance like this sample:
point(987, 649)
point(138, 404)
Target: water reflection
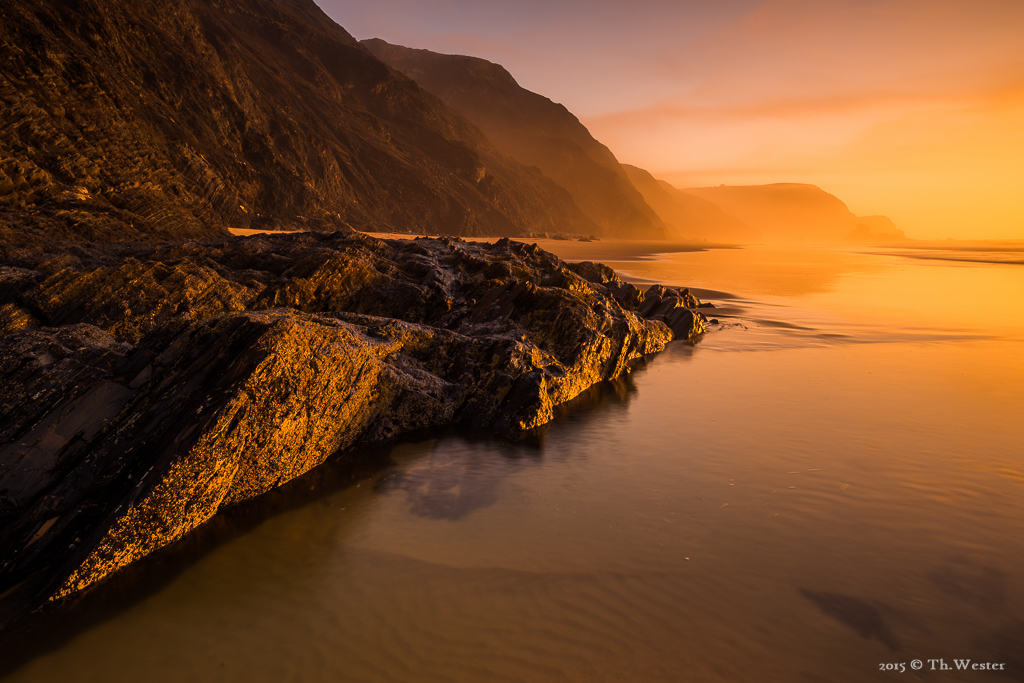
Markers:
point(775, 503)
point(451, 477)
point(455, 478)
point(775, 272)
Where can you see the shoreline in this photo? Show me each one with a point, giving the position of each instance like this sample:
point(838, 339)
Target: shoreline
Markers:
point(600, 250)
point(408, 332)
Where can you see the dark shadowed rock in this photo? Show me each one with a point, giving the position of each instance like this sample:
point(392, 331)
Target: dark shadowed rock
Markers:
point(594, 272)
point(145, 387)
point(178, 119)
point(628, 295)
point(674, 307)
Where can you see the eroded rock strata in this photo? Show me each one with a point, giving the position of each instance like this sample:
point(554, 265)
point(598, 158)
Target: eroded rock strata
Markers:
point(145, 387)
point(156, 119)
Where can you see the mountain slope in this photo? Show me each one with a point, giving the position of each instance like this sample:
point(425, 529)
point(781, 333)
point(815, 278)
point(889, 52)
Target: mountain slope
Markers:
point(533, 130)
point(793, 212)
point(688, 216)
point(146, 119)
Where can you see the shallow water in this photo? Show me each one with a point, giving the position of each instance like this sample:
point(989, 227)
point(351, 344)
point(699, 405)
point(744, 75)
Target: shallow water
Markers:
point(832, 480)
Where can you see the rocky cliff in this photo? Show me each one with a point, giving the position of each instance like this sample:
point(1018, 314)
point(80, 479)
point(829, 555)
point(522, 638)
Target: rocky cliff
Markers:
point(796, 212)
point(146, 387)
point(688, 216)
point(151, 119)
point(533, 130)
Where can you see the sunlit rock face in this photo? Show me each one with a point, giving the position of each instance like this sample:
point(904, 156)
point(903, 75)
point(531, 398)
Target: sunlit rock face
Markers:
point(139, 119)
point(535, 131)
point(146, 387)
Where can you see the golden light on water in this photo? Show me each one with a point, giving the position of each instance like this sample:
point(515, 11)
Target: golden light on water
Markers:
point(881, 285)
point(843, 449)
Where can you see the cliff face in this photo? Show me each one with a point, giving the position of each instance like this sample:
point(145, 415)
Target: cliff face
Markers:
point(533, 130)
point(796, 212)
point(686, 215)
point(875, 229)
point(146, 387)
point(143, 119)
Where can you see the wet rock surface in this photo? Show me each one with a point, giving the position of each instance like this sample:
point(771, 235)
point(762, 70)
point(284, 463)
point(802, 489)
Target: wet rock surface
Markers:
point(145, 387)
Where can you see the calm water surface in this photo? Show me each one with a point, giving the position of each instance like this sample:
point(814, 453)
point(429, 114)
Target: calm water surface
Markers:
point(831, 480)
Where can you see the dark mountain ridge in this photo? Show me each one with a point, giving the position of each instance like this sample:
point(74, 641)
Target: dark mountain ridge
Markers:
point(533, 130)
point(176, 120)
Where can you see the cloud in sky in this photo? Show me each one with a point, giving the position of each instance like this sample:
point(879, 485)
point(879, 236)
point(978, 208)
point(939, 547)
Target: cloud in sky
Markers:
point(911, 108)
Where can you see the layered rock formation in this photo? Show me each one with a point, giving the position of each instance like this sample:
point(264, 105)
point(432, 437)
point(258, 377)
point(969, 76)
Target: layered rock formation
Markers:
point(533, 130)
point(143, 119)
point(146, 387)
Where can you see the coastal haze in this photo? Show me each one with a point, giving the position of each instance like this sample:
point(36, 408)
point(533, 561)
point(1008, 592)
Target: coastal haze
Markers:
point(222, 118)
point(910, 109)
point(736, 396)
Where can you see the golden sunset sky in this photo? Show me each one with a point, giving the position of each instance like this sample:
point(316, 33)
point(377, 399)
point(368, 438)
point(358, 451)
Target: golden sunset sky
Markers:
point(909, 108)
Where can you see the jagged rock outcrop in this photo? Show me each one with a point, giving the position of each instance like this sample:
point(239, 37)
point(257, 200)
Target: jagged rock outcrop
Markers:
point(146, 387)
point(178, 119)
point(533, 130)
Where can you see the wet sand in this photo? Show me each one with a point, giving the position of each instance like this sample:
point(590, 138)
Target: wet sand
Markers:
point(1004, 252)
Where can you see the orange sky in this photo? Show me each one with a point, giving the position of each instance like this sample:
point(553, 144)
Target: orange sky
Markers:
point(909, 108)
